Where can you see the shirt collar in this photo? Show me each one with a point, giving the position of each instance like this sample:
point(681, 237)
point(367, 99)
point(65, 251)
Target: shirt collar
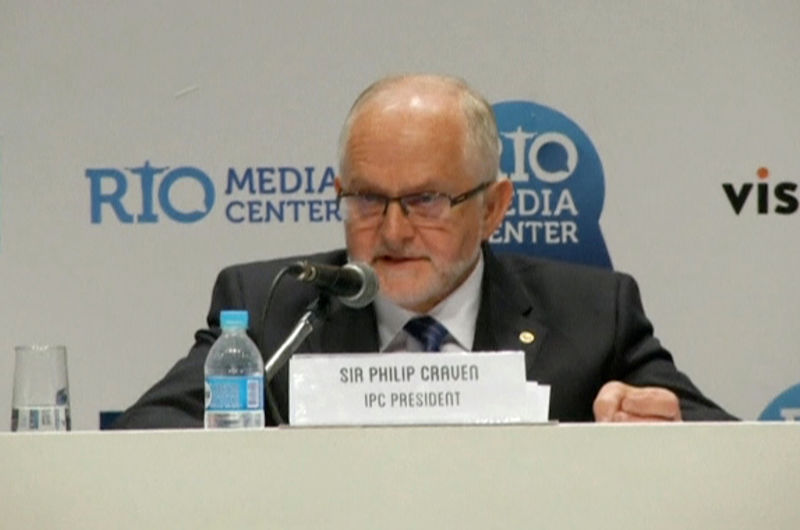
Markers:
point(458, 312)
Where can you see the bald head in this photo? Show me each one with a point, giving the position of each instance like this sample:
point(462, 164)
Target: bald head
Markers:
point(433, 94)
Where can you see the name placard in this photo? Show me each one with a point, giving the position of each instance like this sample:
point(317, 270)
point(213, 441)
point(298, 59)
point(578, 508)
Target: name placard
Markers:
point(407, 388)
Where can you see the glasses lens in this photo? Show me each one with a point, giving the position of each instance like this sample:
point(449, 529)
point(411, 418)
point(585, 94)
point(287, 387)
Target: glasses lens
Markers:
point(361, 207)
point(426, 206)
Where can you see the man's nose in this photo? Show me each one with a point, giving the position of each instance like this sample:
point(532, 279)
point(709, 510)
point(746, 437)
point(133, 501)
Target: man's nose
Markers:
point(395, 226)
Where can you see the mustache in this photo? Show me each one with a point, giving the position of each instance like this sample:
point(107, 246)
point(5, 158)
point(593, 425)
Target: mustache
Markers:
point(382, 252)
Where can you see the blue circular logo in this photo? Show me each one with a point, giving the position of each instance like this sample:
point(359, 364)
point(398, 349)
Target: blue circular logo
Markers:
point(784, 407)
point(559, 186)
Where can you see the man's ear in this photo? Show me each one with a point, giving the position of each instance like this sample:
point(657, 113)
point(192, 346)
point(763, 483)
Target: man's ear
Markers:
point(498, 199)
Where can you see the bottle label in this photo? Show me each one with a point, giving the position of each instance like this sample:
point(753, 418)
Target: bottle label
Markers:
point(227, 393)
point(40, 418)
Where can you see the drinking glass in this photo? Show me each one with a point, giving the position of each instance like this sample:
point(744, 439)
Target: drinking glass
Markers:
point(41, 392)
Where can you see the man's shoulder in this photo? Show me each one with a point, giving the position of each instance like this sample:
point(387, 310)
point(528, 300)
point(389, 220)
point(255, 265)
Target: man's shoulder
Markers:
point(560, 291)
point(534, 267)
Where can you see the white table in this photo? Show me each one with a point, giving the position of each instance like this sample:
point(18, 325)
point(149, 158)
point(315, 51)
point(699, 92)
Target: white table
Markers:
point(703, 476)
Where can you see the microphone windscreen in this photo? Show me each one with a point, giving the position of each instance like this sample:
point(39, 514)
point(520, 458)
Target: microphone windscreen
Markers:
point(369, 286)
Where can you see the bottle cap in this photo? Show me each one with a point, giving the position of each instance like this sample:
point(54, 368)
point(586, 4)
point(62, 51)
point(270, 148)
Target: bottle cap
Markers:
point(233, 319)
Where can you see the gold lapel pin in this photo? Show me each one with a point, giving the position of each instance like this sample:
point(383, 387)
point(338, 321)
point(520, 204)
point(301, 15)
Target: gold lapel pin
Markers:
point(527, 337)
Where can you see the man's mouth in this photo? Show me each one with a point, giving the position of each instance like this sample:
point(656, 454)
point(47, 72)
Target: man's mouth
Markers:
point(396, 260)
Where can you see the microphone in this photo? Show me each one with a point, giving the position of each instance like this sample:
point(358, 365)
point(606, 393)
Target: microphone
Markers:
point(356, 284)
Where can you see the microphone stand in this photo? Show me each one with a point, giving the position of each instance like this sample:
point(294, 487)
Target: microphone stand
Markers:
point(316, 312)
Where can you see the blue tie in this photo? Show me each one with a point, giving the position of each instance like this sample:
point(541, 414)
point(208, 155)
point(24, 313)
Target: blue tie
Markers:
point(428, 331)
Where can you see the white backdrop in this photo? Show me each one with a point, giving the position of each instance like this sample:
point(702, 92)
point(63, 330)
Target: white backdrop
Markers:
point(678, 98)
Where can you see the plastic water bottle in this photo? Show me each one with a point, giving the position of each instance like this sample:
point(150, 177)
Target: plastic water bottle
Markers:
point(234, 377)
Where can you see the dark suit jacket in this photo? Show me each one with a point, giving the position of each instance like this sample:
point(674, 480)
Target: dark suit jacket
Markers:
point(588, 324)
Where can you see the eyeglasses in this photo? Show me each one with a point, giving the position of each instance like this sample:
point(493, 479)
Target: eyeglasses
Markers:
point(428, 207)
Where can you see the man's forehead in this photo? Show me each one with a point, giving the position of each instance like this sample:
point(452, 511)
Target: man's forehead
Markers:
point(399, 185)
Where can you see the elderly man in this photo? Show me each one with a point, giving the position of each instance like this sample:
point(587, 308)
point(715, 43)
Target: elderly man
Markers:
point(419, 195)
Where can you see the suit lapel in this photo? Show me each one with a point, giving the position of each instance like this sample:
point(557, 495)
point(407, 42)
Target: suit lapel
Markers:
point(346, 330)
point(507, 316)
